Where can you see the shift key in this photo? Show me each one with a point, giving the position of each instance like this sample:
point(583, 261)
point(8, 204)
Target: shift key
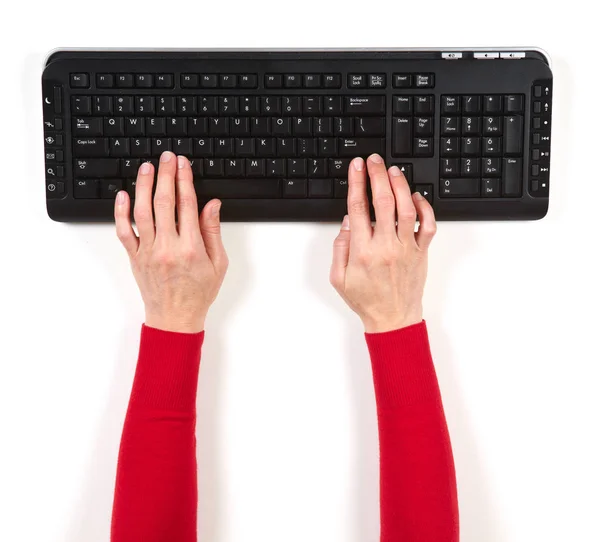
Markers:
point(96, 168)
point(361, 146)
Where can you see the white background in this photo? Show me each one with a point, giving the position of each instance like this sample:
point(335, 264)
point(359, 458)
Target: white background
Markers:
point(287, 441)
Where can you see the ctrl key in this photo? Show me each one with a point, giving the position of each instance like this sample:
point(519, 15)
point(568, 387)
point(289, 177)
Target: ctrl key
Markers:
point(86, 189)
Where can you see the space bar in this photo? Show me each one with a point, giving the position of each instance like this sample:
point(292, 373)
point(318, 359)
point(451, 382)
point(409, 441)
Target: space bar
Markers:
point(238, 188)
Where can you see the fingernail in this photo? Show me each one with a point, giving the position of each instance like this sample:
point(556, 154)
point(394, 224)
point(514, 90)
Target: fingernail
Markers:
point(181, 160)
point(121, 198)
point(216, 208)
point(395, 171)
point(418, 195)
point(358, 164)
point(166, 156)
point(145, 169)
point(346, 223)
point(376, 158)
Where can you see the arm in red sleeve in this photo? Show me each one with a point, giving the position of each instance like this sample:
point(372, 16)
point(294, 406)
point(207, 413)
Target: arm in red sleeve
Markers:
point(418, 483)
point(156, 493)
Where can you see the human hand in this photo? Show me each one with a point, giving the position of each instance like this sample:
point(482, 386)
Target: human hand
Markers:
point(179, 267)
point(380, 271)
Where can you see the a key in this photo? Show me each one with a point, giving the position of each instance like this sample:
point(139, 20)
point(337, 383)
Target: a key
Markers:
point(260, 126)
point(124, 105)
point(86, 189)
point(160, 145)
point(512, 177)
point(338, 167)
point(102, 105)
point(186, 105)
point(198, 126)
point(281, 126)
point(492, 146)
point(276, 167)
point(307, 146)
point(271, 105)
point(490, 188)
point(302, 126)
point(327, 146)
point(114, 126)
point(249, 106)
point(218, 126)
point(140, 147)
point(81, 105)
point(423, 146)
point(513, 134)
point(333, 105)
point(99, 167)
point(208, 105)
point(110, 187)
point(450, 167)
point(492, 104)
point(469, 167)
point(364, 105)
point(423, 105)
point(471, 145)
point(340, 188)
point(286, 146)
point(311, 105)
point(450, 125)
point(513, 103)
point(471, 104)
point(144, 105)
point(87, 126)
point(119, 146)
point(214, 167)
point(450, 146)
point(165, 105)
point(402, 136)
point(203, 146)
point(224, 146)
point(423, 126)
point(343, 126)
point(450, 105)
point(292, 106)
point(491, 167)
point(265, 146)
point(182, 146)
point(323, 126)
point(471, 126)
point(492, 126)
point(402, 105)
point(156, 126)
point(459, 187)
point(228, 105)
point(129, 167)
point(177, 126)
point(244, 146)
point(90, 146)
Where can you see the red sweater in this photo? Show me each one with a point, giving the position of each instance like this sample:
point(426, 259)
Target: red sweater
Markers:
point(156, 492)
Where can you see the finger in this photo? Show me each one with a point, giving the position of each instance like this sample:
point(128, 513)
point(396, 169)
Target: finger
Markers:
point(383, 197)
point(142, 210)
point(358, 205)
point(187, 203)
point(405, 209)
point(210, 228)
point(341, 253)
point(125, 231)
point(164, 198)
point(427, 224)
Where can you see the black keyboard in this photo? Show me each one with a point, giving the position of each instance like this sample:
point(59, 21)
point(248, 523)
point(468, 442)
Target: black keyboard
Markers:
point(272, 133)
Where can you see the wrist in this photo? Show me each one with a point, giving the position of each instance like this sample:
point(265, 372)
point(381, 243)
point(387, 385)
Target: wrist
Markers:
point(175, 324)
point(391, 323)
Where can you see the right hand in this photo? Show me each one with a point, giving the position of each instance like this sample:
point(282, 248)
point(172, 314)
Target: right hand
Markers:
point(178, 266)
point(380, 271)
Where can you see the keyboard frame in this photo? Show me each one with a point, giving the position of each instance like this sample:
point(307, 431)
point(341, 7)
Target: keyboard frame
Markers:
point(484, 79)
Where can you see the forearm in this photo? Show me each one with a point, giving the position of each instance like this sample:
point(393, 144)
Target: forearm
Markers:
point(418, 484)
point(156, 486)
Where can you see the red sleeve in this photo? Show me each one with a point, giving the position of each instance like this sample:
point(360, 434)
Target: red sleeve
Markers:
point(418, 484)
point(156, 493)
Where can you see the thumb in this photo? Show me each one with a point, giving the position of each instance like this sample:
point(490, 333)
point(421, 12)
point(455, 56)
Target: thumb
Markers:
point(341, 252)
point(210, 228)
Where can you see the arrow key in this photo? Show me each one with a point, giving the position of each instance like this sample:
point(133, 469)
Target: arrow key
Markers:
point(407, 169)
point(426, 190)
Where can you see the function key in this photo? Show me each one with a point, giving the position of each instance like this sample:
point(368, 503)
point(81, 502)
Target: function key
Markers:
point(492, 104)
point(164, 80)
point(471, 104)
point(208, 81)
point(124, 80)
point(143, 80)
point(450, 105)
point(424, 80)
point(105, 80)
point(293, 80)
point(377, 80)
point(228, 81)
point(357, 80)
point(332, 80)
point(402, 80)
point(80, 80)
point(312, 80)
point(248, 80)
point(513, 103)
point(189, 80)
point(274, 80)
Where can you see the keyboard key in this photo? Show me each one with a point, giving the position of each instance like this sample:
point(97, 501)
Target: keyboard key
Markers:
point(134, 126)
point(119, 146)
point(317, 167)
point(370, 126)
point(292, 106)
point(312, 105)
point(125, 80)
point(338, 167)
point(239, 126)
point(312, 80)
point(110, 187)
point(513, 103)
point(144, 105)
point(513, 134)
point(102, 105)
point(423, 146)
point(402, 80)
point(255, 167)
point(450, 125)
point(81, 105)
point(105, 80)
point(402, 105)
point(144, 80)
point(156, 126)
point(492, 146)
point(490, 188)
point(244, 146)
point(340, 188)
point(87, 126)
point(492, 104)
point(198, 126)
point(238, 188)
point(450, 167)
point(261, 126)
point(218, 126)
point(209, 80)
point(286, 146)
point(377, 80)
point(423, 105)
point(296, 167)
point(208, 105)
point(471, 145)
point(265, 146)
point(423, 126)
point(426, 190)
point(129, 167)
point(492, 126)
point(306, 146)
point(124, 105)
point(186, 105)
point(402, 136)
point(470, 167)
point(292, 81)
point(224, 146)
point(450, 105)
point(270, 105)
point(332, 80)
point(235, 167)
point(86, 189)
point(90, 147)
point(273, 81)
point(228, 105)
point(424, 80)
point(332, 105)
point(323, 126)
point(364, 105)
point(160, 145)
point(471, 126)
point(320, 188)
point(248, 80)
point(80, 80)
point(276, 167)
point(99, 167)
point(361, 146)
point(295, 188)
point(228, 81)
point(203, 146)
point(491, 167)
point(512, 177)
point(471, 104)
point(166, 105)
point(459, 187)
point(141, 147)
point(357, 80)
point(164, 80)
point(214, 167)
point(327, 146)
point(182, 146)
point(343, 126)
